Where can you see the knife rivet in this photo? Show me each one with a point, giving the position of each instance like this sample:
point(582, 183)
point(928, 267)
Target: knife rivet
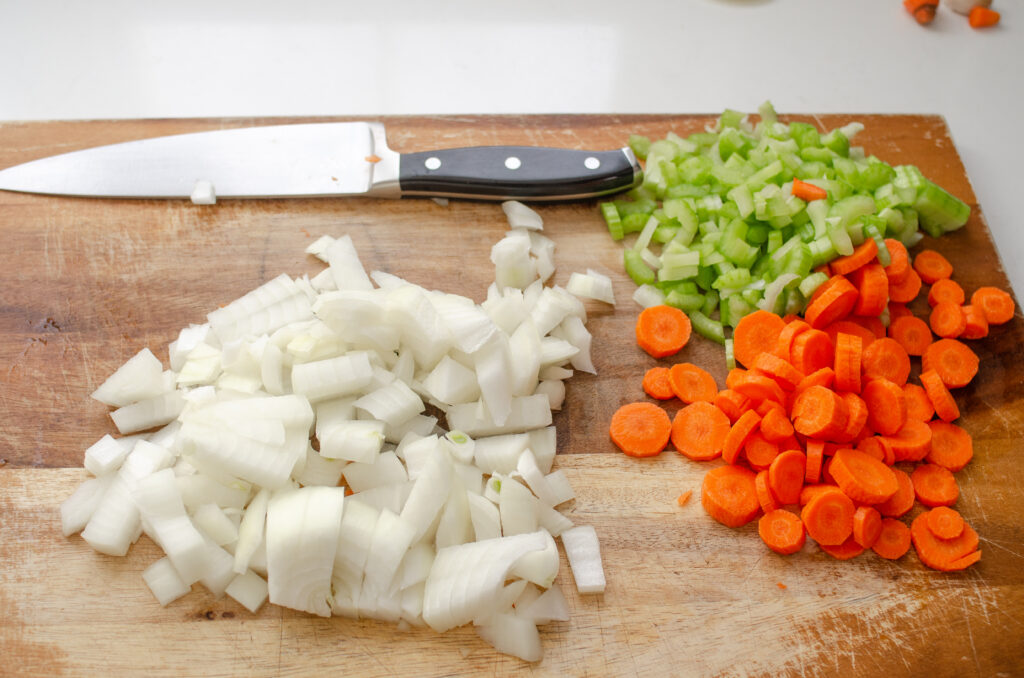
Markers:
point(591, 163)
point(432, 163)
point(513, 163)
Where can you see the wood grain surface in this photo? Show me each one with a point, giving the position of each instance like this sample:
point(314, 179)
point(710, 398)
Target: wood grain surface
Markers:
point(87, 283)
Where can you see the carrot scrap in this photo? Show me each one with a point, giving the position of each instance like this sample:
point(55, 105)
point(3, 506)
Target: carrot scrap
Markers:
point(955, 363)
point(946, 290)
point(845, 551)
point(951, 448)
point(640, 429)
point(807, 191)
point(912, 333)
point(828, 517)
point(684, 497)
point(934, 485)
point(780, 585)
point(887, 359)
point(923, 11)
point(782, 531)
point(947, 320)
point(893, 539)
point(982, 17)
point(996, 304)
point(662, 330)
point(699, 431)
point(867, 525)
point(942, 400)
point(729, 495)
point(691, 383)
point(898, 310)
point(945, 523)
point(656, 384)
point(932, 266)
point(755, 334)
point(863, 478)
point(775, 425)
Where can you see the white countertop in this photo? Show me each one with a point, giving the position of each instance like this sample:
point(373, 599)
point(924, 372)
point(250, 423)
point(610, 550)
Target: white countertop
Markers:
point(124, 59)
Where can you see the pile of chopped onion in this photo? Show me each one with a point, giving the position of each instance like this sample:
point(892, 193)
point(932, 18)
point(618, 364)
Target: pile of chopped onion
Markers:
point(237, 461)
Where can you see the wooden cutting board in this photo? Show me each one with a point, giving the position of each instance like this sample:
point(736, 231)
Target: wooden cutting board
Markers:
point(87, 283)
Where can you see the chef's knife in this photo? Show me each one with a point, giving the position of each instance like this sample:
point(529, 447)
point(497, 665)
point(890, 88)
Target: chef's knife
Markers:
point(321, 160)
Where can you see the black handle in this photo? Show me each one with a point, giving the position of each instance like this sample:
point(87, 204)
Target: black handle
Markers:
point(517, 173)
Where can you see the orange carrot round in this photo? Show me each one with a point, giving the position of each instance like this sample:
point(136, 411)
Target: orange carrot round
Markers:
point(898, 310)
point(784, 343)
point(691, 383)
point(755, 334)
point(765, 497)
point(758, 387)
point(893, 539)
point(872, 324)
point(878, 448)
point(906, 290)
point(786, 476)
point(934, 485)
point(873, 290)
point(946, 290)
point(975, 323)
point(912, 333)
point(899, 264)
point(640, 429)
point(849, 350)
point(662, 330)
point(996, 304)
point(942, 554)
point(863, 478)
point(932, 266)
point(901, 502)
point(778, 369)
point(947, 320)
point(699, 431)
point(822, 377)
point(815, 457)
point(942, 400)
point(819, 413)
point(887, 408)
point(912, 442)
point(867, 525)
point(738, 434)
point(732, 403)
point(955, 363)
point(760, 451)
point(982, 17)
point(850, 326)
point(945, 523)
point(863, 254)
point(811, 351)
point(828, 517)
point(657, 385)
point(951, 448)
point(856, 416)
point(782, 531)
point(845, 551)
point(729, 495)
point(833, 304)
point(919, 407)
point(886, 359)
point(775, 425)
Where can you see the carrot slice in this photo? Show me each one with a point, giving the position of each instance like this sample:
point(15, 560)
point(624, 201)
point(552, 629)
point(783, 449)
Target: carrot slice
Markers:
point(775, 425)
point(887, 407)
point(699, 431)
point(867, 525)
point(656, 383)
point(729, 495)
point(849, 349)
point(919, 407)
point(755, 334)
point(662, 330)
point(996, 304)
point(759, 451)
point(975, 323)
point(815, 456)
point(820, 413)
point(640, 429)
point(912, 442)
point(887, 359)
point(738, 434)
point(901, 502)
point(786, 476)
point(948, 291)
point(834, 304)
point(932, 266)
point(898, 310)
point(765, 497)
point(873, 290)
point(951, 448)
point(783, 345)
point(947, 320)
point(692, 384)
point(955, 363)
point(732, 403)
point(758, 387)
point(945, 523)
point(809, 492)
point(942, 400)
point(982, 17)
point(778, 369)
point(782, 531)
point(940, 554)
point(812, 350)
point(912, 333)
point(822, 377)
point(863, 254)
point(934, 485)
point(845, 551)
point(828, 517)
point(899, 260)
point(684, 497)
point(856, 416)
point(878, 448)
point(863, 478)
point(850, 326)
point(893, 540)
point(965, 562)
point(807, 191)
point(906, 290)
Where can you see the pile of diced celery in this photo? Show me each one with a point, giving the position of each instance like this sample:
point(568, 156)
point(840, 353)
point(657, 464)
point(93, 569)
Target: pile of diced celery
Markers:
point(720, 234)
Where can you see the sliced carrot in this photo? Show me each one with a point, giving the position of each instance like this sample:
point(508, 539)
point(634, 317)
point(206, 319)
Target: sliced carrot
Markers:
point(982, 17)
point(947, 320)
point(899, 264)
point(775, 425)
point(901, 502)
point(815, 456)
point(975, 323)
point(923, 11)
point(906, 290)
point(692, 384)
point(898, 310)
point(662, 330)
point(812, 350)
point(766, 406)
point(640, 429)
point(784, 343)
point(834, 304)
point(733, 375)
point(656, 383)
point(856, 416)
point(765, 497)
point(699, 431)
point(863, 254)
point(951, 448)
point(755, 334)
point(809, 492)
point(849, 350)
point(946, 290)
point(872, 288)
point(893, 540)
point(819, 413)
point(790, 443)
point(824, 376)
point(828, 517)
point(738, 434)
point(729, 495)
point(934, 485)
point(732, 403)
point(945, 523)
point(996, 304)
point(759, 451)
point(850, 326)
point(887, 407)
point(912, 333)
point(932, 266)
point(940, 554)
point(786, 476)
point(878, 448)
point(887, 359)
point(778, 369)
point(863, 478)
point(912, 442)
point(867, 525)
point(919, 407)
point(758, 387)
point(964, 562)
point(942, 400)
point(807, 191)
point(845, 551)
point(872, 324)
point(955, 363)
point(782, 531)
point(684, 497)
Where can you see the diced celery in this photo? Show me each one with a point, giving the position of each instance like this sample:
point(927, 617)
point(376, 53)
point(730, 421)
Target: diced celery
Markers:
point(940, 211)
point(767, 113)
point(850, 209)
point(836, 142)
point(774, 241)
point(909, 236)
point(758, 234)
point(817, 154)
point(761, 177)
point(738, 307)
point(795, 302)
point(876, 174)
point(874, 227)
point(811, 283)
point(710, 301)
point(730, 118)
point(706, 327)
point(737, 277)
point(839, 236)
point(703, 139)
point(640, 145)
point(612, 220)
point(634, 223)
point(666, 231)
point(685, 302)
point(752, 296)
point(636, 269)
point(822, 251)
point(730, 357)
point(730, 141)
point(805, 134)
point(705, 278)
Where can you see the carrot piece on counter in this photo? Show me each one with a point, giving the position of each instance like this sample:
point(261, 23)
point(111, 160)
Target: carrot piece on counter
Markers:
point(932, 266)
point(901, 502)
point(982, 17)
point(934, 485)
point(691, 383)
point(943, 554)
point(812, 350)
point(863, 254)
point(807, 191)
point(887, 359)
point(867, 525)
point(778, 369)
point(760, 451)
point(640, 429)
point(775, 425)
point(945, 523)
point(912, 442)
point(786, 476)
point(942, 400)
point(833, 304)
point(765, 497)
point(729, 495)
point(873, 289)
point(907, 289)
point(850, 326)
point(758, 387)
point(656, 384)
point(845, 551)
point(784, 343)
point(738, 434)
point(682, 499)
point(952, 360)
point(919, 407)
point(946, 290)
point(899, 261)
point(923, 11)
point(732, 403)
point(782, 531)
point(662, 330)
point(824, 376)
point(828, 517)
point(947, 320)
point(863, 478)
point(755, 334)
point(819, 413)
point(856, 416)
point(996, 304)
point(809, 492)
point(912, 333)
point(893, 539)
point(951, 448)
point(898, 310)
point(887, 407)
point(849, 349)
point(815, 456)
point(975, 323)
point(698, 431)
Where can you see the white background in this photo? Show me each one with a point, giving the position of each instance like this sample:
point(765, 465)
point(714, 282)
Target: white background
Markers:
point(121, 59)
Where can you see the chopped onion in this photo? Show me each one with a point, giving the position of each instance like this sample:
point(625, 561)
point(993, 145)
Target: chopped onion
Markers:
point(592, 285)
point(584, 552)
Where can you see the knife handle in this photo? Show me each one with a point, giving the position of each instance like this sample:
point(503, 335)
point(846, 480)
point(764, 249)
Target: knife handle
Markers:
point(517, 173)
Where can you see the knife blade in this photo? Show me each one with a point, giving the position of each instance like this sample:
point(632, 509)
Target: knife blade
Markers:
point(321, 160)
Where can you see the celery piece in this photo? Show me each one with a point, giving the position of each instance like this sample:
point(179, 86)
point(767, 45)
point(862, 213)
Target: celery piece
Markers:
point(634, 223)
point(706, 327)
point(839, 236)
point(798, 261)
point(811, 283)
point(752, 296)
point(795, 302)
point(893, 220)
point(856, 232)
point(767, 113)
point(811, 170)
point(705, 278)
point(730, 118)
point(669, 172)
point(805, 135)
point(685, 302)
point(774, 241)
point(710, 300)
point(743, 199)
point(910, 224)
point(761, 177)
point(939, 210)
point(686, 191)
point(696, 169)
point(836, 142)
point(758, 234)
point(730, 141)
point(874, 227)
point(737, 277)
point(679, 210)
point(640, 145)
point(730, 356)
point(822, 251)
point(816, 154)
point(846, 170)
point(738, 307)
point(703, 140)
point(636, 269)
point(666, 231)
point(875, 175)
point(612, 220)
point(852, 208)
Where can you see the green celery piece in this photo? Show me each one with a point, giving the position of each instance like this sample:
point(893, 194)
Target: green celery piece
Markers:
point(743, 199)
point(724, 267)
point(736, 278)
point(679, 210)
point(812, 282)
point(640, 145)
point(836, 142)
point(774, 241)
point(846, 170)
point(706, 327)
point(729, 176)
point(761, 177)
point(817, 154)
point(799, 261)
point(886, 197)
point(940, 211)
point(758, 234)
point(893, 220)
point(910, 225)
point(811, 170)
point(666, 231)
point(817, 210)
point(710, 298)
point(686, 190)
point(730, 118)
point(874, 227)
point(708, 207)
point(729, 210)
point(752, 296)
point(730, 356)
point(730, 141)
point(696, 169)
point(612, 220)
point(663, 149)
point(839, 236)
point(907, 182)
point(685, 302)
point(705, 278)
point(851, 208)
point(805, 135)
point(639, 204)
point(738, 307)
point(703, 139)
point(684, 145)
point(670, 172)
point(822, 251)
point(767, 113)
point(634, 223)
point(795, 302)
point(875, 175)
point(636, 269)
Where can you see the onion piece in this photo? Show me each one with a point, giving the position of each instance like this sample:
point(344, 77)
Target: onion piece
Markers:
point(76, 510)
point(105, 455)
point(521, 216)
point(513, 635)
point(165, 582)
point(592, 285)
point(584, 552)
point(249, 589)
point(139, 378)
point(527, 412)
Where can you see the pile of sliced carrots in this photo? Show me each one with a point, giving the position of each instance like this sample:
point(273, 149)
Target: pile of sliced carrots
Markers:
point(822, 416)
